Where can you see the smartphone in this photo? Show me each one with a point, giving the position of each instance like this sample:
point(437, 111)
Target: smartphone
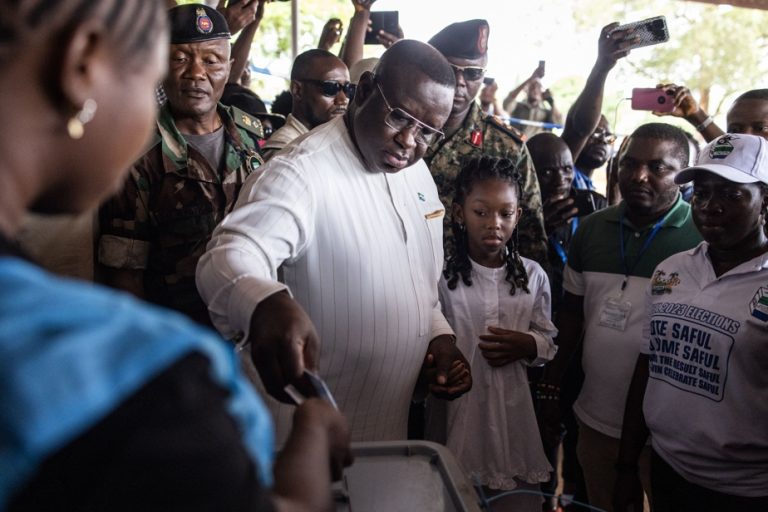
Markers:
point(657, 100)
point(650, 31)
point(387, 21)
point(584, 201)
point(488, 80)
point(542, 65)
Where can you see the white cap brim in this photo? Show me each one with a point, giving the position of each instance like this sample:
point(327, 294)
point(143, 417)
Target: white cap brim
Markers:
point(724, 171)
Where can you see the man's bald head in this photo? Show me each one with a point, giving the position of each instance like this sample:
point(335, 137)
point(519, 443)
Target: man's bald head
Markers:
point(409, 94)
point(319, 82)
point(402, 59)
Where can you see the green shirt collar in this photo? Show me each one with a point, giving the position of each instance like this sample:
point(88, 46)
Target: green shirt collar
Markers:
point(677, 215)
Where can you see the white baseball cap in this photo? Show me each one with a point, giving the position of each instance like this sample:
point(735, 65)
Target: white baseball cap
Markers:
point(737, 157)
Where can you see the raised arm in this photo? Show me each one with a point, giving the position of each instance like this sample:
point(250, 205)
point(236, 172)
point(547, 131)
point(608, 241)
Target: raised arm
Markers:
point(514, 93)
point(686, 107)
point(241, 49)
point(239, 15)
point(352, 49)
point(330, 35)
point(585, 112)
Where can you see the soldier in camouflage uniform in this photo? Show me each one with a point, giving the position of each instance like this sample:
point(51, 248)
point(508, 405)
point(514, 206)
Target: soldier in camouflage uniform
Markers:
point(154, 231)
point(469, 132)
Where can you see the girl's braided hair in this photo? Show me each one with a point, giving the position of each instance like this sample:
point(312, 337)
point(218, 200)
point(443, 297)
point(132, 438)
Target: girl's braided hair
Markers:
point(458, 265)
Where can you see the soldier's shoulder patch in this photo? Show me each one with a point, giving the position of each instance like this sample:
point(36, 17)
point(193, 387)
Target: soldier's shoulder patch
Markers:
point(500, 124)
point(247, 122)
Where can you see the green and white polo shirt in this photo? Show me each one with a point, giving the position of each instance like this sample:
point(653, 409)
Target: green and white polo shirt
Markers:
point(595, 271)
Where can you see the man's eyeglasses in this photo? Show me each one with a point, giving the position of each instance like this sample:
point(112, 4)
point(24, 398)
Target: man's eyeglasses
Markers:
point(331, 88)
point(471, 73)
point(603, 136)
point(399, 120)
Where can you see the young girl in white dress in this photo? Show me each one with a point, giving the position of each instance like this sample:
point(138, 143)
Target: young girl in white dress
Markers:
point(498, 303)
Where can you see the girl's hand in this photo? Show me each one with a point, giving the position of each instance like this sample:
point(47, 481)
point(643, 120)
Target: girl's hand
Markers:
point(503, 346)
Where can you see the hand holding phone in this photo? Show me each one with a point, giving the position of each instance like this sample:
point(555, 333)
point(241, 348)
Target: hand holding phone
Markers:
point(584, 201)
point(645, 32)
point(388, 21)
point(657, 100)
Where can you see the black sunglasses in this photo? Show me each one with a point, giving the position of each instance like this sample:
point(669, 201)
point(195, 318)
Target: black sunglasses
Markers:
point(330, 88)
point(471, 73)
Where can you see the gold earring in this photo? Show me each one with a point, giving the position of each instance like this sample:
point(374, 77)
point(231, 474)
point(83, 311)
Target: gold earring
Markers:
point(76, 123)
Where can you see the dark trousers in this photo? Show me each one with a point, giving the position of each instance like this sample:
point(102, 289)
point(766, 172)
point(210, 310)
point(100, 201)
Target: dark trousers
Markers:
point(673, 493)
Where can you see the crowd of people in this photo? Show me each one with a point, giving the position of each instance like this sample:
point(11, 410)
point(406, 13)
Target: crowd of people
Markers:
point(450, 277)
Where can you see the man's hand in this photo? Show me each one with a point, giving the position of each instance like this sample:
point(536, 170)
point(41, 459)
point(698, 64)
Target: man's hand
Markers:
point(241, 14)
point(446, 369)
point(613, 46)
point(685, 104)
point(283, 343)
point(362, 5)
point(503, 346)
point(387, 39)
point(317, 413)
point(557, 211)
point(547, 96)
point(331, 34)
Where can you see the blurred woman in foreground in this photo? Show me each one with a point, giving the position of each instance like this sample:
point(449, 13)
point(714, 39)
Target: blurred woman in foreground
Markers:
point(108, 403)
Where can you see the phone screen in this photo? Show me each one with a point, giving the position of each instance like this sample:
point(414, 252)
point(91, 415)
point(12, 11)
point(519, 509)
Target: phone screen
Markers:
point(648, 32)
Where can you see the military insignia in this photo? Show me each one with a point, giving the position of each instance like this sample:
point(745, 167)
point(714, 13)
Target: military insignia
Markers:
point(482, 39)
point(421, 197)
point(500, 124)
point(660, 286)
point(722, 148)
point(759, 304)
point(476, 138)
point(247, 120)
point(203, 23)
point(253, 162)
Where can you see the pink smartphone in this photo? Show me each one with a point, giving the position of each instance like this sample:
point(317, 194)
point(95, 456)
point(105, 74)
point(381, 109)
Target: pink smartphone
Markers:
point(658, 100)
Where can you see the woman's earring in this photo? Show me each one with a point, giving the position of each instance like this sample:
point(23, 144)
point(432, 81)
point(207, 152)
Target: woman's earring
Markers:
point(76, 123)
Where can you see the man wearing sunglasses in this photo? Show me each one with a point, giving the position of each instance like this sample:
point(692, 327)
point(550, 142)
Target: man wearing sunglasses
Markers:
point(320, 90)
point(350, 216)
point(468, 132)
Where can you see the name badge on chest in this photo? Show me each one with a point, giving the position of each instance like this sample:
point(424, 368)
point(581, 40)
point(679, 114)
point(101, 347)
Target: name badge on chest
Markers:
point(615, 313)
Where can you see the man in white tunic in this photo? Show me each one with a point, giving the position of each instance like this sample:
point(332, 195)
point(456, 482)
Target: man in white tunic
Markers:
point(357, 245)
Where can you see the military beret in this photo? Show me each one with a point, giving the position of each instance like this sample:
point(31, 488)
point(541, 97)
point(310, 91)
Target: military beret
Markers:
point(463, 40)
point(193, 23)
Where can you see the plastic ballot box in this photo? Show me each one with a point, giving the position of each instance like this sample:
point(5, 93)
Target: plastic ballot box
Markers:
point(404, 476)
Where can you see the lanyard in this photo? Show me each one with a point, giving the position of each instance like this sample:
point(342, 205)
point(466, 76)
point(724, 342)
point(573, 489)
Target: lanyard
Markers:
point(646, 245)
point(558, 246)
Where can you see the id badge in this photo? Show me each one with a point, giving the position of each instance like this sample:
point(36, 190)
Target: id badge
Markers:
point(615, 313)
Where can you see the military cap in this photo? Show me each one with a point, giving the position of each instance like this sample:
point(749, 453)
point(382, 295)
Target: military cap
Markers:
point(463, 40)
point(193, 23)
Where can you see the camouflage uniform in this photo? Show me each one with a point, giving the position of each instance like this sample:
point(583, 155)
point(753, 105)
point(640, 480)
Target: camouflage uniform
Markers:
point(491, 137)
point(163, 218)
